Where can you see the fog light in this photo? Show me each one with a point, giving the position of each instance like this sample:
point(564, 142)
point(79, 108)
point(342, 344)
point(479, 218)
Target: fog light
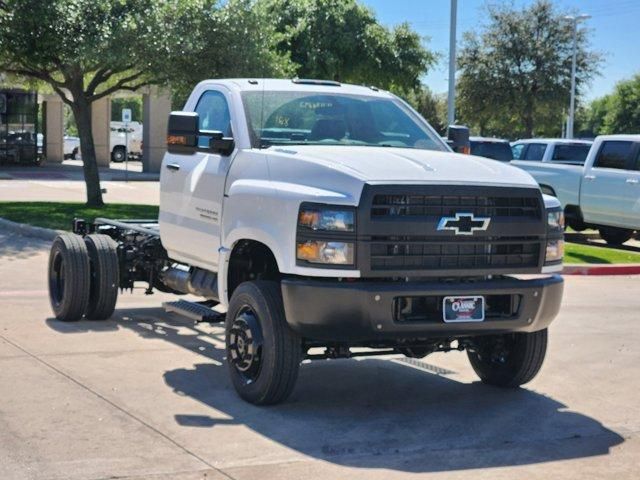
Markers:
point(555, 250)
point(319, 251)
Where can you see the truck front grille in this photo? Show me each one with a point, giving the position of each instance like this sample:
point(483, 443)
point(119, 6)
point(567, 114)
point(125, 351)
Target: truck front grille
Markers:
point(399, 235)
point(438, 205)
point(397, 253)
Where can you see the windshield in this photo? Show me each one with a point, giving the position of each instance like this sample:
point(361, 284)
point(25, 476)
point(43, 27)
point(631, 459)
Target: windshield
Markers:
point(299, 118)
point(495, 150)
point(571, 153)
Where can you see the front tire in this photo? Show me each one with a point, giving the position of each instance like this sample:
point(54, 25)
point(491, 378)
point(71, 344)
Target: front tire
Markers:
point(263, 353)
point(509, 360)
point(615, 236)
point(69, 277)
point(103, 292)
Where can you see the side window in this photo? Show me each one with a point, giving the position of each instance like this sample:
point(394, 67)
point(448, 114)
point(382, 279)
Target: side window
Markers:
point(214, 112)
point(614, 154)
point(638, 160)
point(535, 151)
point(516, 151)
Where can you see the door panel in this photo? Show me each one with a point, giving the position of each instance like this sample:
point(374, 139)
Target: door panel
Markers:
point(610, 192)
point(193, 191)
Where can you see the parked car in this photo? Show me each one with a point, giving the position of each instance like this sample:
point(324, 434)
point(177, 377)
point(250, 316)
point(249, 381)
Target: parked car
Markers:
point(557, 150)
point(494, 148)
point(329, 217)
point(602, 194)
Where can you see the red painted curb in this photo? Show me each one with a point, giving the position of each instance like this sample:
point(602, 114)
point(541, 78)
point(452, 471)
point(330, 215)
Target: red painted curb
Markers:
point(617, 269)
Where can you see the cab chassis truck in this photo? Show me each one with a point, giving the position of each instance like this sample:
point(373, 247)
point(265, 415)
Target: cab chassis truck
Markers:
point(330, 221)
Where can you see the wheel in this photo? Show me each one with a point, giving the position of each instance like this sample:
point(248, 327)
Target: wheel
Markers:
point(263, 353)
point(118, 155)
point(509, 360)
point(69, 277)
point(103, 262)
point(615, 236)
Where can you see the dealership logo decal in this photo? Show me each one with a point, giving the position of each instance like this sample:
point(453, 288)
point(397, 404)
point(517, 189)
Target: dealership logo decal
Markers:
point(464, 223)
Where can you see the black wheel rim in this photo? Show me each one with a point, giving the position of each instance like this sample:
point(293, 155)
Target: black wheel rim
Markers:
point(245, 344)
point(498, 351)
point(57, 278)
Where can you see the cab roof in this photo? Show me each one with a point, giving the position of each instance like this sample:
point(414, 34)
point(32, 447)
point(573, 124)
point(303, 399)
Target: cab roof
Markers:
point(296, 85)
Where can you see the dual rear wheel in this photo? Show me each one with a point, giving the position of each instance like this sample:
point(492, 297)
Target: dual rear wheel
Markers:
point(83, 277)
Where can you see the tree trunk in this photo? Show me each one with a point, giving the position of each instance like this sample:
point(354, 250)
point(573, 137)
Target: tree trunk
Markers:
point(82, 114)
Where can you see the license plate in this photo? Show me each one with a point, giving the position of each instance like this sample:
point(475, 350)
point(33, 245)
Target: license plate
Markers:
point(463, 309)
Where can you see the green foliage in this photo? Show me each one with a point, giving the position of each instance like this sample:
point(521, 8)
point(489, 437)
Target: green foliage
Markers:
point(343, 41)
point(60, 215)
point(133, 103)
point(577, 253)
point(432, 107)
point(515, 75)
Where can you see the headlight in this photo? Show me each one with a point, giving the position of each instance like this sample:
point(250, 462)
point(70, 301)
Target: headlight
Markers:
point(555, 220)
point(555, 229)
point(555, 250)
point(326, 252)
point(326, 218)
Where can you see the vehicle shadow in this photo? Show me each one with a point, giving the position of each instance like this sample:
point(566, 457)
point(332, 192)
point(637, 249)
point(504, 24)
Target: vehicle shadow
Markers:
point(590, 240)
point(375, 413)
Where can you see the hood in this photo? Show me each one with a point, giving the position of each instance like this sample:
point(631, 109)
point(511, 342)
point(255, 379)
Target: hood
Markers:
point(405, 165)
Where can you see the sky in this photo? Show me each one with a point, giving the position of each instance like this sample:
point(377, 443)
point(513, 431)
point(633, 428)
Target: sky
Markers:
point(615, 32)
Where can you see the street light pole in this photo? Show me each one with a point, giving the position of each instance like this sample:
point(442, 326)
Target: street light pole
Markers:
point(451, 101)
point(572, 101)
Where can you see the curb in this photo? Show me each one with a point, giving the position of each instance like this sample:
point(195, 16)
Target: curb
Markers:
point(614, 269)
point(30, 230)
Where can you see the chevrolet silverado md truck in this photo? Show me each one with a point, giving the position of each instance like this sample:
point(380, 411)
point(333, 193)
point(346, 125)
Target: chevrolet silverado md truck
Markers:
point(329, 218)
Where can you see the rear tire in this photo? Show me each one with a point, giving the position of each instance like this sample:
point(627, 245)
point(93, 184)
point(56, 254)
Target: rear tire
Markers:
point(69, 277)
point(509, 360)
point(263, 353)
point(103, 292)
point(118, 155)
point(614, 235)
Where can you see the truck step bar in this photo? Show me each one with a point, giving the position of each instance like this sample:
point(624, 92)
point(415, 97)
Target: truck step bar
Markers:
point(194, 311)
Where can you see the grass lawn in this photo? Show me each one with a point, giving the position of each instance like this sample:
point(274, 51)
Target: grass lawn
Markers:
point(59, 215)
point(576, 253)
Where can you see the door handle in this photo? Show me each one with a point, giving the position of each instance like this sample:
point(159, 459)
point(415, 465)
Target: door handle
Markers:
point(173, 166)
point(589, 177)
point(632, 180)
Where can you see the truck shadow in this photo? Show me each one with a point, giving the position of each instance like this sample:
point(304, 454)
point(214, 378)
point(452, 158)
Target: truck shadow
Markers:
point(375, 413)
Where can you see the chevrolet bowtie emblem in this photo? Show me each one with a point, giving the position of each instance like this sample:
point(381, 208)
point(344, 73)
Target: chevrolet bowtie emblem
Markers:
point(464, 223)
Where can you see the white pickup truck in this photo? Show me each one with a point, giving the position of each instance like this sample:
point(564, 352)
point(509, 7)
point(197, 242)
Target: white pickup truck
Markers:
point(329, 221)
point(602, 194)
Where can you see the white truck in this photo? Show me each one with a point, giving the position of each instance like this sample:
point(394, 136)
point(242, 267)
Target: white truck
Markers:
point(550, 150)
point(330, 221)
point(602, 194)
point(120, 136)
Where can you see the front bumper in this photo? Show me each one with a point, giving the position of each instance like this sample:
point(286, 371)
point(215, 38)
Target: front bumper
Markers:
point(364, 311)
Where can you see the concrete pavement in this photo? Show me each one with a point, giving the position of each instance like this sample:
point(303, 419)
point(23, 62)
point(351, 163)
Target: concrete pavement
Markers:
point(146, 396)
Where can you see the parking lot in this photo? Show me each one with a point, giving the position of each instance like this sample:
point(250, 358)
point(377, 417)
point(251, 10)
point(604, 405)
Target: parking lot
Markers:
point(146, 395)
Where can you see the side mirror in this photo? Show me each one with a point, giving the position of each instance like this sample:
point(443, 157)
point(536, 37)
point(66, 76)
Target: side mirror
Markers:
point(184, 136)
point(215, 141)
point(458, 138)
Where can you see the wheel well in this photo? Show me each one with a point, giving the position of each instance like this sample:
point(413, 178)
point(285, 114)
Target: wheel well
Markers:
point(250, 260)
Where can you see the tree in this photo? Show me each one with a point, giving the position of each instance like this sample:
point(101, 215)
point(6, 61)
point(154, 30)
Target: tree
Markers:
point(515, 75)
point(432, 107)
point(622, 108)
point(343, 41)
point(86, 50)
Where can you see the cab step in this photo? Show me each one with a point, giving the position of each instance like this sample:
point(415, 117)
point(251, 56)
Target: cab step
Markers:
point(194, 311)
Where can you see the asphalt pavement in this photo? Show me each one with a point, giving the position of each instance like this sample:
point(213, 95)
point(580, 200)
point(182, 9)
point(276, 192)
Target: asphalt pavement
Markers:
point(146, 396)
